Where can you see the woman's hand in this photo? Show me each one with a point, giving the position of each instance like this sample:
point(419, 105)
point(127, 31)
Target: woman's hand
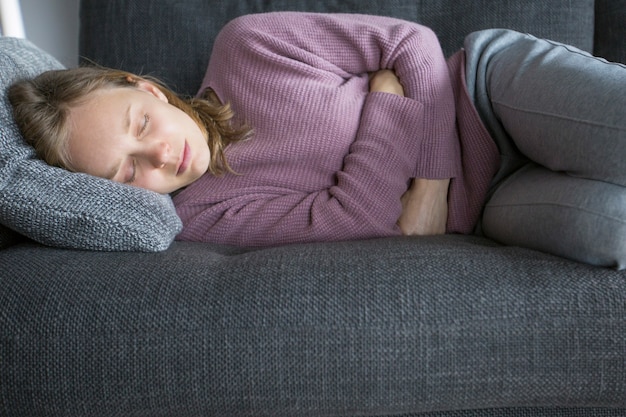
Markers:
point(385, 81)
point(425, 207)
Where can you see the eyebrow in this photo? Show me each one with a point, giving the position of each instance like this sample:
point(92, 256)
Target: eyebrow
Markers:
point(126, 125)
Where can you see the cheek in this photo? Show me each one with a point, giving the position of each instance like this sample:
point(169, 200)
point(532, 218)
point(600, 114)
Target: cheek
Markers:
point(182, 123)
point(159, 181)
point(154, 181)
point(170, 118)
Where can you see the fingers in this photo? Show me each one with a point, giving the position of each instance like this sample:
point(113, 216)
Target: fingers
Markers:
point(385, 81)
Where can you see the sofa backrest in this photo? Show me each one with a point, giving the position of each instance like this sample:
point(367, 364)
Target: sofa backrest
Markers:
point(172, 39)
point(610, 30)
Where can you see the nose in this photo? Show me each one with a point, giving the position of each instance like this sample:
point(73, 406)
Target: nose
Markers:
point(158, 153)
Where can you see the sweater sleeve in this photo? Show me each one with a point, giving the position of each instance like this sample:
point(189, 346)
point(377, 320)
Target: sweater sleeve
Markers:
point(349, 45)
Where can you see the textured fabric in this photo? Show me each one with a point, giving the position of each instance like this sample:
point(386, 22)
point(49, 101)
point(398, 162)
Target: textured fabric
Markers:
point(528, 412)
point(8, 237)
point(58, 208)
point(383, 327)
point(565, 110)
point(154, 37)
point(554, 102)
point(576, 218)
point(328, 161)
point(119, 334)
point(610, 30)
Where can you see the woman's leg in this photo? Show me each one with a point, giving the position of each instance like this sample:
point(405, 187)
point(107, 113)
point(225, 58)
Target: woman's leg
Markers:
point(565, 111)
point(576, 218)
point(552, 103)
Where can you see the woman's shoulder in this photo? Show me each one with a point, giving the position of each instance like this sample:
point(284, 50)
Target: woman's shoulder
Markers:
point(302, 26)
point(250, 29)
point(287, 20)
point(259, 21)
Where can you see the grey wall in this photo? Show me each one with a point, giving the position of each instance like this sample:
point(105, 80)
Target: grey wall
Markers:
point(52, 25)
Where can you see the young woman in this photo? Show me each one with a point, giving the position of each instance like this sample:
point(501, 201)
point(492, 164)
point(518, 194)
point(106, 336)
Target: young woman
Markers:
point(316, 127)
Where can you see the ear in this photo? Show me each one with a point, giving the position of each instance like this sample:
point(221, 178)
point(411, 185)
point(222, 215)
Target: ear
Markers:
point(151, 88)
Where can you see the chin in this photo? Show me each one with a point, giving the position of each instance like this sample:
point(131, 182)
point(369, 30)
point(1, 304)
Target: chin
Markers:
point(193, 177)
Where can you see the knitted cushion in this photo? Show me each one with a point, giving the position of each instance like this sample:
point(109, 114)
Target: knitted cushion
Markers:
point(59, 208)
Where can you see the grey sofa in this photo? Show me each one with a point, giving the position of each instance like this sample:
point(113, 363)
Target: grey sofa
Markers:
point(452, 326)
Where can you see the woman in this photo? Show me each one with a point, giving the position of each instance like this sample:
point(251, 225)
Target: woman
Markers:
point(358, 128)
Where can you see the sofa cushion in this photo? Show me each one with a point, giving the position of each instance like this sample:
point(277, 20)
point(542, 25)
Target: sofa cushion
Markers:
point(380, 327)
point(59, 208)
point(154, 37)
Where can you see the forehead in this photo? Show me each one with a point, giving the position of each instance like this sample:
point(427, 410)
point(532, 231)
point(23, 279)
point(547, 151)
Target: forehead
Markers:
point(101, 104)
point(97, 127)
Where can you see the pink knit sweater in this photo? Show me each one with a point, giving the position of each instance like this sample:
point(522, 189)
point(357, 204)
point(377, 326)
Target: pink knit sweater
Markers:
point(329, 160)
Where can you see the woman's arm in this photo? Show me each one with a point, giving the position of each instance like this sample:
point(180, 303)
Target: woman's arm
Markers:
point(425, 203)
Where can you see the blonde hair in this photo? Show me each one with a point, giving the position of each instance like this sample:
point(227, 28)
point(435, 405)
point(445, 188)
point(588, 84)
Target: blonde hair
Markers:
point(41, 109)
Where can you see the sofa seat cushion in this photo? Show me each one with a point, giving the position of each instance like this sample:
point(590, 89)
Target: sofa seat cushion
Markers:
point(390, 326)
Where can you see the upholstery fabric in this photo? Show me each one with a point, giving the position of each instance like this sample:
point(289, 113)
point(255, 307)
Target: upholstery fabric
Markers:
point(8, 237)
point(610, 30)
point(58, 208)
point(154, 37)
point(528, 412)
point(385, 327)
point(434, 327)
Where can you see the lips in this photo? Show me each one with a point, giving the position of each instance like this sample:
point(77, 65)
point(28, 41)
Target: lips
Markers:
point(185, 159)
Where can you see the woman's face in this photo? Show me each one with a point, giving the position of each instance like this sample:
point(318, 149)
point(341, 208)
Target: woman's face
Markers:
point(134, 136)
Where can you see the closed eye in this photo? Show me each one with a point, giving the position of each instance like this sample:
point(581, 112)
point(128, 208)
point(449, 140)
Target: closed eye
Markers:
point(144, 125)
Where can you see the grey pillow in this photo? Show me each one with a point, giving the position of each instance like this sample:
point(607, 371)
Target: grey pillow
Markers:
point(58, 208)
